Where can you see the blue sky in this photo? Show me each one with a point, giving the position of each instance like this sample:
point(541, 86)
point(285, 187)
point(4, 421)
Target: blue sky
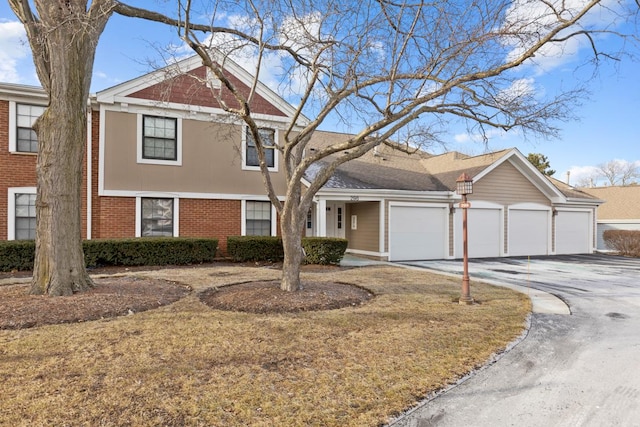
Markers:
point(608, 128)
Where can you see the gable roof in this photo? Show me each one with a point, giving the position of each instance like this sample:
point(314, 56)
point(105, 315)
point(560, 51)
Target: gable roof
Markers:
point(187, 83)
point(573, 192)
point(621, 203)
point(449, 166)
point(360, 175)
point(386, 168)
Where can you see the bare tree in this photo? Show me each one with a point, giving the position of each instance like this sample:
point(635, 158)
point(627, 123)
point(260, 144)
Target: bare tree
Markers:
point(392, 67)
point(387, 65)
point(619, 172)
point(63, 36)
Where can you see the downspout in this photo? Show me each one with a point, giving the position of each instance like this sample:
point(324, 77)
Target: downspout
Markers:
point(89, 169)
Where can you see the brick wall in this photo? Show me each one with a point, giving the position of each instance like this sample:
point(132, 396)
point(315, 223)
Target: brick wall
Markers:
point(16, 170)
point(114, 217)
point(210, 218)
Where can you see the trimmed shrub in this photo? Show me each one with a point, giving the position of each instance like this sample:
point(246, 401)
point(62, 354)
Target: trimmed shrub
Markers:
point(255, 248)
point(149, 251)
point(19, 255)
point(318, 250)
point(625, 242)
point(324, 250)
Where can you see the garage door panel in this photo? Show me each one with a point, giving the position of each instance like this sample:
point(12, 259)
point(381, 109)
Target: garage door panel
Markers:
point(529, 232)
point(483, 228)
point(573, 232)
point(417, 233)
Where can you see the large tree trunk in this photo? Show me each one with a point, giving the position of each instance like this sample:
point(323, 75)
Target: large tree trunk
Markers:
point(293, 255)
point(64, 43)
point(59, 267)
point(292, 224)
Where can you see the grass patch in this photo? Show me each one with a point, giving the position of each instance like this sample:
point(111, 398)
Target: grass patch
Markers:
point(188, 365)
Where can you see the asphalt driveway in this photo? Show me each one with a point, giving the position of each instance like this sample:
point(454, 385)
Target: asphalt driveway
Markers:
point(578, 369)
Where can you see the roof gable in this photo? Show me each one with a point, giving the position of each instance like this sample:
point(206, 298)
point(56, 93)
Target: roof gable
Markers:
point(529, 171)
point(449, 166)
point(186, 83)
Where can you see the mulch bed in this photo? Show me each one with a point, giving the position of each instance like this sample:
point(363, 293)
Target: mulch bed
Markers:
point(112, 296)
point(267, 297)
point(118, 296)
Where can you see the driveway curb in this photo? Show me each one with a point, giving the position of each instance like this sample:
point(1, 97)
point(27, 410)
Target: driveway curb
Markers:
point(542, 302)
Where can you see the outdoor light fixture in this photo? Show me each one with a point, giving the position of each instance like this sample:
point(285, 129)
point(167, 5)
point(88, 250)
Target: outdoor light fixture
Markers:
point(464, 186)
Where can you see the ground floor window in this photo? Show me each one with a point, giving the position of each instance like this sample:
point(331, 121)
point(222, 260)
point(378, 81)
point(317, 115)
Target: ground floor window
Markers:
point(258, 218)
point(25, 216)
point(157, 217)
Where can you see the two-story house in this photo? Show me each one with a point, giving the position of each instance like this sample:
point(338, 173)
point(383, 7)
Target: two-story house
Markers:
point(163, 159)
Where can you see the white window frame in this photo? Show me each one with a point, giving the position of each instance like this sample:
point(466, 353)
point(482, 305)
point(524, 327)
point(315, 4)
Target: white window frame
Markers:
point(176, 211)
point(11, 208)
point(243, 217)
point(274, 168)
point(140, 141)
point(13, 126)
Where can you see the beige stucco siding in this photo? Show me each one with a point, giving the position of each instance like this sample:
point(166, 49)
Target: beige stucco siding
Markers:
point(367, 235)
point(211, 161)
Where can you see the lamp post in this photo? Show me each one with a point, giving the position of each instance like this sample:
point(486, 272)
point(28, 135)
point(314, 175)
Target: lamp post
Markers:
point(464, 186)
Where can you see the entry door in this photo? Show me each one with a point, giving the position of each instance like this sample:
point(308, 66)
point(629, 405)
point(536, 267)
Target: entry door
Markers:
point(335, 220)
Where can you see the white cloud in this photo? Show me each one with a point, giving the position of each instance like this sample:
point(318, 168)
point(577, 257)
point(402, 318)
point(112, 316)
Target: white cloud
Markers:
point(519, 89)
point(530, 20)
point(592, 175)
point(14, 50)
point(490, 134)
point(581, 174)
point(302, 34)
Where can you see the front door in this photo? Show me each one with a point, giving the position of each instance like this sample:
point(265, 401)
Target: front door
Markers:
point(335, 219)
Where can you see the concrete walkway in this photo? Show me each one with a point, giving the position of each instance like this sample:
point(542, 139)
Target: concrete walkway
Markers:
point(578, 370)
point(542, 302)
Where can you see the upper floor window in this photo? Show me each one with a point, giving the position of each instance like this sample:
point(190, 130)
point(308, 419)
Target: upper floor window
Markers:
point(157, 217)
point(159, 140)
point(22, 137)
point(267, 136)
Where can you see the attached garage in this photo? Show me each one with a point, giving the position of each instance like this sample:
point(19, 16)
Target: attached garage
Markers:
point(417, 232)
point(529, 231)
point(573, 232)
point(484, 231)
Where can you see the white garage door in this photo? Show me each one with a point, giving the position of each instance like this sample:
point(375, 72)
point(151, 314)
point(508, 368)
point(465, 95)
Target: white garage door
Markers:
point(529, 232)
point(573, 232)
point(484, 237)
point(417, 233)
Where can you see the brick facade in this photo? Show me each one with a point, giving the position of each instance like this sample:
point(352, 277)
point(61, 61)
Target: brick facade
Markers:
point(16, 169)
point(210, 218)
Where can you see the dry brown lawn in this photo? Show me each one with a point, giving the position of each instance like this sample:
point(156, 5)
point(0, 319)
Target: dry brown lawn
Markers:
point(187, 364)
